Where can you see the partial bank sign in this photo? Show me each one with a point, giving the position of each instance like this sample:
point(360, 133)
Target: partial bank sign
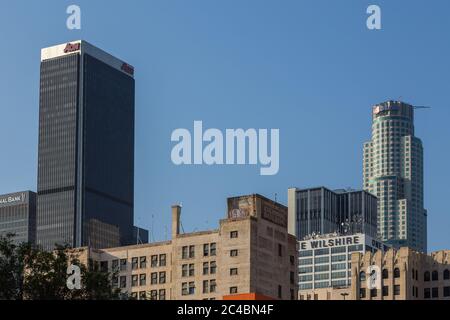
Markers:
point(12, 199)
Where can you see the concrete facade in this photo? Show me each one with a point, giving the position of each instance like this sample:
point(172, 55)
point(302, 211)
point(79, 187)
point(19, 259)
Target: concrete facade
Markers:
point(402, 274)
point(251, 253)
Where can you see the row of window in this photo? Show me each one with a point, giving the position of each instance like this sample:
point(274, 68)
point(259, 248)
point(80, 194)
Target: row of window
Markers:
point(136, 263)
point(139, 280)
point(154, 295)
point(374, 292)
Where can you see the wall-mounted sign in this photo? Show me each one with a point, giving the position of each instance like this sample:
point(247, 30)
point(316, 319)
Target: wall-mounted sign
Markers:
point(240, 207)
point(72, 47)
point(127, 68)
point(12, 199)
point(274, 213)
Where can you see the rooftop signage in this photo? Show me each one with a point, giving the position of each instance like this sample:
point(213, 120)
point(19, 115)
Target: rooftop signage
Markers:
point(72, 47)
point(12, 199)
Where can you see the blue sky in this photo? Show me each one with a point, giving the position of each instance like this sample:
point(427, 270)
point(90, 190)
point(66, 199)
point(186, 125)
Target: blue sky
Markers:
point(310, 68)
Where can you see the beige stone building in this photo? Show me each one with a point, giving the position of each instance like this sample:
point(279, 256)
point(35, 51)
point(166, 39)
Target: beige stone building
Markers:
point(250, 255)
point(402, 274)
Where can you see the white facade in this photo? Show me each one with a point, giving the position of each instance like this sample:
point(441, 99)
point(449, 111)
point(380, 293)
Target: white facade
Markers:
point(326, 261)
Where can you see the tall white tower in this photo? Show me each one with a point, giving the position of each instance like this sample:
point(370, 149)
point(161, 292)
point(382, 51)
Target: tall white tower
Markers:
point(393, 171)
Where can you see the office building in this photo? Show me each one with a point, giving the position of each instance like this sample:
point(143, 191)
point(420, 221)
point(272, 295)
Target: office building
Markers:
point(86, 147)
point(319, 211)
point(250, 256)
point(402, 274)
point(18, 216)
point(393, 171)
point(325, 261)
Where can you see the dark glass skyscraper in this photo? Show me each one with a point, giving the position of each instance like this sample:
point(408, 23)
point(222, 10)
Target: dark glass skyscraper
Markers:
point(86, 147)
point(321, 211)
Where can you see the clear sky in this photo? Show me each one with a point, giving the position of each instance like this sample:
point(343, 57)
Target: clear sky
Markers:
point(310, 68)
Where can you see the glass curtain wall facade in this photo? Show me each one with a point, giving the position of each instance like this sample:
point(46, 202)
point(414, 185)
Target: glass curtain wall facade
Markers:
point(86, 146)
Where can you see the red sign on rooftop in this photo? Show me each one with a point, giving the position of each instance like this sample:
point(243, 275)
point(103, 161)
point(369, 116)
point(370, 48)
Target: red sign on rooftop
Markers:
point(127, 68)
point(71, 47)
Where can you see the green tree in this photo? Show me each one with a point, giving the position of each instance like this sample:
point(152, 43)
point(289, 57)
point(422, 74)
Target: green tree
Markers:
point(27, 272)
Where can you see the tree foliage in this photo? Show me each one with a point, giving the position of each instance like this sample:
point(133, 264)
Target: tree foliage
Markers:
point(27, 272)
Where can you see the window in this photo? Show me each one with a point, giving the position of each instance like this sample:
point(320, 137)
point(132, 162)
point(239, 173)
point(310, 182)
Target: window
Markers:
point(123, 282)
point(293, 294)
point(134, 295)
point(115, 265)
point(184, 270)
point(426, 276)
point(233, 235)
point(104, 266)
point(134, 280)
point(143, 262)
point(373, 293)
point(233, 253)
point(434, 276)
point(154, 261)
point(396, 273)
point(184, 289)
point(142, 295)
point(435, 293)
point(162, 260)
point(184, 252)
point(397, 290)
point(233, 290)
point(153, 295)
point(233, 272)
point(446, 274)
point(212, 285)
point(191, 288)
point(206, 250)
point(280, 250)
point(385, 274)
point(123, 264)
point(212, 249)
point(142, 279)
point(280, 292)
point(162, 277)
point(446, 291)
point(154, 278)
point(362, 293)
point(191, 270)
point(205, 268)
point(162, 294)
point(212, 267)
point(191, 251)
point(292, 260)
point(134, 263)
point(292, 277)
point(115, 282)
point(362, 276)
point(205, 286)
point(427, 293)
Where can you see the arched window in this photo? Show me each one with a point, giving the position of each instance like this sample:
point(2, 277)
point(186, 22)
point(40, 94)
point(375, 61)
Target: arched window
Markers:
point(385, 274)
point(426, 276)
point(396, 273)
point(446, 274)
point(435, 276)
point(362, 276)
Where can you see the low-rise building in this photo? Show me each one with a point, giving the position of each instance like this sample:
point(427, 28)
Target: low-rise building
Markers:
point(250, 254)
point(402, 274)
